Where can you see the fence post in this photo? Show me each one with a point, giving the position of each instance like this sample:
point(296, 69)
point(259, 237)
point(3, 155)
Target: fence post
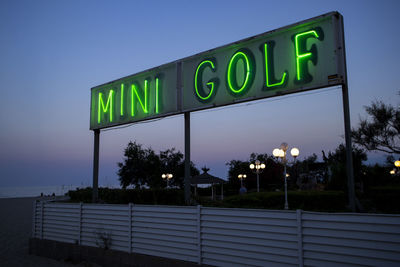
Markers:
point(130, 227)
point(80, 223)
point(299, 237)
point(199, 234)
point(41, 220)
point(34, 219)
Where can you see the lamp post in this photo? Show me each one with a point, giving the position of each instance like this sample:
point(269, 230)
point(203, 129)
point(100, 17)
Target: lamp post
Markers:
point(167, 176)
point(397, 165)
point(258, 168)
point(280, 153)
point(241, 177)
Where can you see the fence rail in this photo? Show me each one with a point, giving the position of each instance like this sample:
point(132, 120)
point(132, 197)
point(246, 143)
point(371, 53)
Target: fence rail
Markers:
point(225, 237)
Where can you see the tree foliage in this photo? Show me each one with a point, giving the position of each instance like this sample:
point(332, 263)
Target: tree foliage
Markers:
point(270, 178)
point(143, 167)
point(336, 162)
point(381, 131)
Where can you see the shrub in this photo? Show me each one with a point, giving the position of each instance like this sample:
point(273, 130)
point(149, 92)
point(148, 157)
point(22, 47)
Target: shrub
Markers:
point(124, 196)
point(306, 200)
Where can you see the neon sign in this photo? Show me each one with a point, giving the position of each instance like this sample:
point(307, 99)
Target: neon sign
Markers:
point(292, 59)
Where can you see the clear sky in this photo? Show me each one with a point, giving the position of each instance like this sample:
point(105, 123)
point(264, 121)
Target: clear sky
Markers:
point(53, 52)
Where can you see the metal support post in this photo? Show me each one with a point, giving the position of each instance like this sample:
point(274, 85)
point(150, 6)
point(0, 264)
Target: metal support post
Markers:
point(199, 261)
point(284, 176)
point(41, 219)
point(346, 114)
point(80, 223)
point(187, 157)
point(299, 237)
point(349, 154)
point(95, 193)
point(34, 219)
point(130, 227)
point(258, 182)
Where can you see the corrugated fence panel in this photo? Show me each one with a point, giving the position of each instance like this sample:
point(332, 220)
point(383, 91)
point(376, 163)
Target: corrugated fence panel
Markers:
point(248, 237)
point(105, 223)
point(351, 239)
point(37, 220)
point(226, 237)
point(61, 222)
point(165, 231)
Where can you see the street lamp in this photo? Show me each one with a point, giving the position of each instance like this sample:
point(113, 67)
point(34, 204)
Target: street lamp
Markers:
point(167, 176)
point(397, 165)
point(258, 168)
point(241, 177)
point(280, 153)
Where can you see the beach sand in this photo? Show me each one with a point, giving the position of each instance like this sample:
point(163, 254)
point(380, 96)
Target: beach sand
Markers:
point(15, 231)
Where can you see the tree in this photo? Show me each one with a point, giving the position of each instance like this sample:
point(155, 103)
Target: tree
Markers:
point(140, 167)
point(172, 161)
point(336, 163)
point(143, 167)
point(380, 132)
point(270, 178)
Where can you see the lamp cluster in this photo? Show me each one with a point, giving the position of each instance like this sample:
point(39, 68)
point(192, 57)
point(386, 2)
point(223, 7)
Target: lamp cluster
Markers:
point(280, 153)
point(167, 176)
point(241, 177)
point(397, 165)
point(257, 165)
point(258, 168)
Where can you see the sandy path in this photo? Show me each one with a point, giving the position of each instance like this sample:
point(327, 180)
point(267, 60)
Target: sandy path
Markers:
point(15, 230)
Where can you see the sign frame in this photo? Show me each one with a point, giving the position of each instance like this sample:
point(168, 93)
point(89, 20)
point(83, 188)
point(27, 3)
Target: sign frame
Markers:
point(183, 88)
point(338, 78)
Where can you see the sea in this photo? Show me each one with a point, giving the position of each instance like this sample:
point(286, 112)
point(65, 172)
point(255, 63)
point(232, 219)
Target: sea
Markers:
point(34, 191)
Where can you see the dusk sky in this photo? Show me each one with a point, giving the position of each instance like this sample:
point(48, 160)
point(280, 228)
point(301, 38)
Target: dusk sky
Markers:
point(53, 52)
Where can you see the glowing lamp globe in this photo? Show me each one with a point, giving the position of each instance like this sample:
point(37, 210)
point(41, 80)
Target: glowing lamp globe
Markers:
point(397, 163)
point(252, 166)
point(275, 152)
point(295, 152)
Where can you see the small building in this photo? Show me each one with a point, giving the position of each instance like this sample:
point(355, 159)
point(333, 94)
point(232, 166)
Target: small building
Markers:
point(206, 178)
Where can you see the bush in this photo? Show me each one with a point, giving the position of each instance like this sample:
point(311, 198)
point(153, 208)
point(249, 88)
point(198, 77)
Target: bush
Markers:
point(383, 199)
point(125, 196)
point(305, 200)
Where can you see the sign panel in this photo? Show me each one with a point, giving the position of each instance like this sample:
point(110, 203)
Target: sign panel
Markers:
point(138, 97)
point(304, 56)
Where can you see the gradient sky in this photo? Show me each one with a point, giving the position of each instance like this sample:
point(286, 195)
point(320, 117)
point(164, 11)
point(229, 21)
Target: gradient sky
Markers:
point(53, 52)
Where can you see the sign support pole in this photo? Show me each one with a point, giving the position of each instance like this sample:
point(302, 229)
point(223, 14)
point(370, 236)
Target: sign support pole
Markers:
point(95, 193)
point(187, 157)
point(347, 127)
point(349, 154)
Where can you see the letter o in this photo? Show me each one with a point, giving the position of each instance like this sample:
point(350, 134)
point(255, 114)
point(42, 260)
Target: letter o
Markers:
point(249, 72)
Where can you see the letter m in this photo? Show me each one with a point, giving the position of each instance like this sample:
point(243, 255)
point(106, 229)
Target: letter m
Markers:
point(107, 107)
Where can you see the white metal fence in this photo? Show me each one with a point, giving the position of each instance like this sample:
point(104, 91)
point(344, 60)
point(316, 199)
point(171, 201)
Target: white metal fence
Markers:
point(226, 237)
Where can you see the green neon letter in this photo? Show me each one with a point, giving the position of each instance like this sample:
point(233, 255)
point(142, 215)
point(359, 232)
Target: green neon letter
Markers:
point(122, 99)
point(211, 84)
point(143, 100)
point(248, 66)
point(109, 107)
point(270, 80)
point(303, 55)
point(158, 96)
